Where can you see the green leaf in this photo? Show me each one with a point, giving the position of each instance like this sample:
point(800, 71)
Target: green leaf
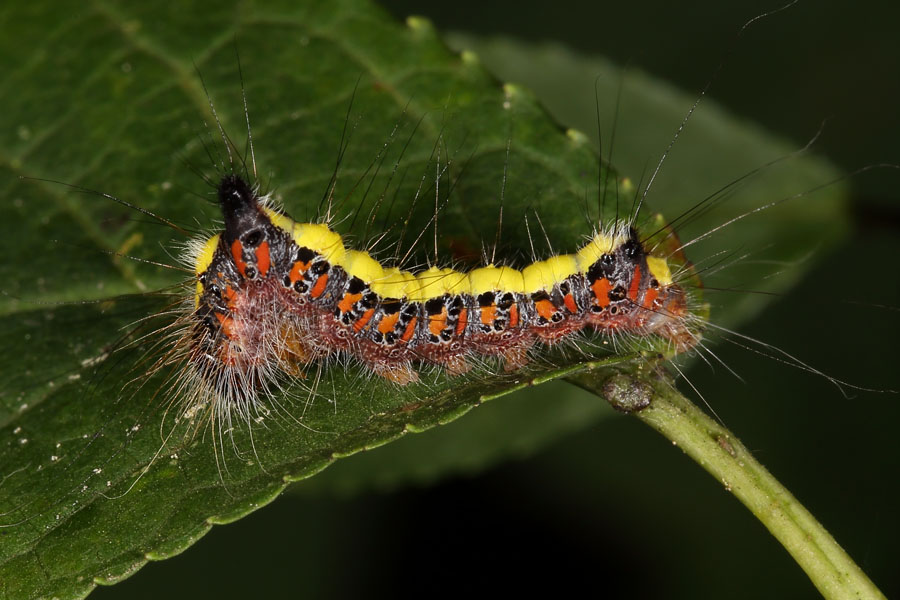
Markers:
point(95, 478)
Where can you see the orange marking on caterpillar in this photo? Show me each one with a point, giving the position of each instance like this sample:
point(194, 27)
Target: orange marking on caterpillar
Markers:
point(635, 283)
point(347, 302)
point(410, 330)
point(601, 289)
point(297, 270)
point(387, 323)
point(488, 314)
point(569, 301)
point(319, 288)
point(363, 320)
point(227, 324)
point(650, 297)
point(462, 322)
point(514, 315)
point(436, 323)
point(544, 308)
point(237, 252)
point(262, 258)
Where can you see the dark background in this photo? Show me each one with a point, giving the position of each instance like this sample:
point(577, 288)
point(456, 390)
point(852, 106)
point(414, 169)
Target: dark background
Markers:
point(614, 510)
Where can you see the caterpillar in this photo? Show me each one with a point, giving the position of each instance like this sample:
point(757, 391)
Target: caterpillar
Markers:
point(273, 295)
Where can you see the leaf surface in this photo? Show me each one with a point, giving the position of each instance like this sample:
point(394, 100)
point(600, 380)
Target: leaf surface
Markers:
point(95, 477)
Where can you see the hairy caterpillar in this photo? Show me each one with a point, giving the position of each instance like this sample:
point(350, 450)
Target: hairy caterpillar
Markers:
point(341, 409)
point(273, 295)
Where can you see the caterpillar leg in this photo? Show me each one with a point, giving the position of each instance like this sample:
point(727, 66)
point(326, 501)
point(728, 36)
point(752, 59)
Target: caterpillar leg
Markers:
point(457, 365)
point(515, 358)
point(401, 374)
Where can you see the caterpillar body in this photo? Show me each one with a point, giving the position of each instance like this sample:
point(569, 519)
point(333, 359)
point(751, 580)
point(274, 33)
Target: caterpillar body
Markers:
point(273, 295)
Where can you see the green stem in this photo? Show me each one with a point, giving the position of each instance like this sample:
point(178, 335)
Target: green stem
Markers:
point(718, 451)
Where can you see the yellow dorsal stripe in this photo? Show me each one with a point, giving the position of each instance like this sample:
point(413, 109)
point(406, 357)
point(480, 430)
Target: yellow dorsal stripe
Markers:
point(659, 268)
point(543, 275)
point(391, 282)
point(321, 240)
point(360, 264)
point(435, 282)
point(396, 284)
point(599, 245)
point(493, 279)
point(204, 259)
